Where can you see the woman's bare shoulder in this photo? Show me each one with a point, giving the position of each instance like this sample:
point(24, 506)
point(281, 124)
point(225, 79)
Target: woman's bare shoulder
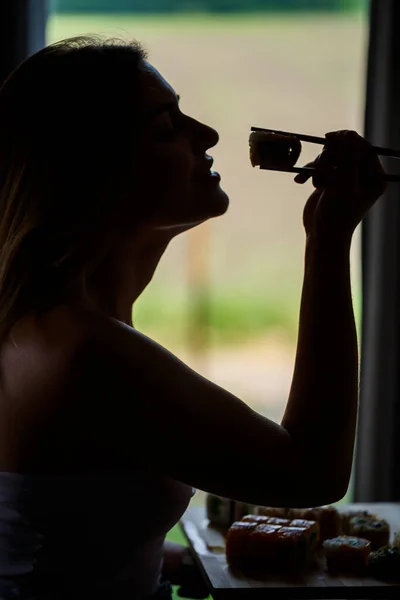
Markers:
point(37, 351)
point(61, 344)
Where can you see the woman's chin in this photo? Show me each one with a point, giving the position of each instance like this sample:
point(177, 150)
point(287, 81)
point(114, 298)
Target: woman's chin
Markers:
point(213, 204)
point(224, 202)
point(202, 209)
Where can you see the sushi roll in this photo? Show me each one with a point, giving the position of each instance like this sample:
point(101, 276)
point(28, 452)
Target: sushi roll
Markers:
point(347, 554)
point(377, 531)
point(384, 564)
point(273, 150)
point(329, 522)
point(259, 519)
point(237, 547)
point(346, 517)
point(263, 547)
point(312, 529)
point(327, 518)
point(278, 521)
point(293, 548)
point(259, 546)
point(251, 546)
point(271, 511)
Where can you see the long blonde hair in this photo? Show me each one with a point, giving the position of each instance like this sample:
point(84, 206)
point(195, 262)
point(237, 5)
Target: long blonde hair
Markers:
point(67, 127)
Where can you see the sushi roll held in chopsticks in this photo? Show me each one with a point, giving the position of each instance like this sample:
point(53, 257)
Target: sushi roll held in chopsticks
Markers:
point(276, 150)
point(273, 151)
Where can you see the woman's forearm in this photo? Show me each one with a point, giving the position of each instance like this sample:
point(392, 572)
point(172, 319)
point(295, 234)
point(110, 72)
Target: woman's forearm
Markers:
point(322, 408)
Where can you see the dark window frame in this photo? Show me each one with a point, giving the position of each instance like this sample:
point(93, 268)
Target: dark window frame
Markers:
point(377, 466)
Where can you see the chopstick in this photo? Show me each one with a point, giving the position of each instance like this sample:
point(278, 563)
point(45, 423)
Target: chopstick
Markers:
point(310, 171)
point(319, 140)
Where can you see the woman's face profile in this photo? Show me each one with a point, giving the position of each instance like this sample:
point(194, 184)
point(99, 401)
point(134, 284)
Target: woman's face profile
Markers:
point(173, 178)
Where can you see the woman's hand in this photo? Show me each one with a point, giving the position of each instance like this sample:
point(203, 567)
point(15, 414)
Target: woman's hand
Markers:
point(348, 181)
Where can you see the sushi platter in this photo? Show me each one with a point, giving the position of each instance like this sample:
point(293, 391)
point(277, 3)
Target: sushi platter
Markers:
point(220, 552)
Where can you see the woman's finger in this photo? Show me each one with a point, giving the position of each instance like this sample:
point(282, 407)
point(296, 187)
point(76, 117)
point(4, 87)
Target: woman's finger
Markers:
point(303, 177)
point(322, 166)
point(326, 170)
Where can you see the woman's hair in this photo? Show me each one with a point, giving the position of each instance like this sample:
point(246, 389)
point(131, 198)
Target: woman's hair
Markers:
point(68, 121)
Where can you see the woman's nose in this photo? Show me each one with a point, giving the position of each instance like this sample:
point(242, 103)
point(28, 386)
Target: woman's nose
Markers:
point(206, 136)
point(212, 136)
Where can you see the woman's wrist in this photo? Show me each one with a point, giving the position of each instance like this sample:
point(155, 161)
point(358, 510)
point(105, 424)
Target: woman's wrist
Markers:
point(328, 241)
